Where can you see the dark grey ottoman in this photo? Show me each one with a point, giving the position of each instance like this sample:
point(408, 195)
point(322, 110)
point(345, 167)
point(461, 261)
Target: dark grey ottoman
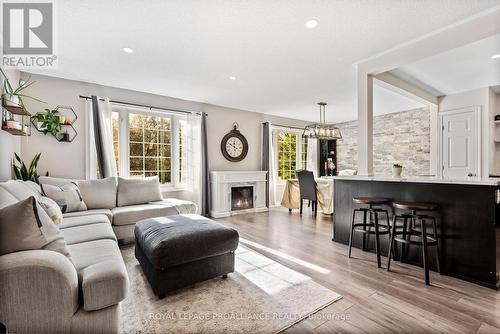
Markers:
point(178, 251)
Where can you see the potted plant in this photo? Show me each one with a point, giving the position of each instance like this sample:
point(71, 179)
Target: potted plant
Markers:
point(397, 169)
point(14, 97)
point(22, 172)
point(49, 122)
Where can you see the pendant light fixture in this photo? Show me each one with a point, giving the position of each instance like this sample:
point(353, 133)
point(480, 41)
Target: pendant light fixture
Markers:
point(322, 130)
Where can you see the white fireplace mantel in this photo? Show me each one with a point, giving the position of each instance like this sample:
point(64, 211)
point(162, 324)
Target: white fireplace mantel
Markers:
point(222, 182)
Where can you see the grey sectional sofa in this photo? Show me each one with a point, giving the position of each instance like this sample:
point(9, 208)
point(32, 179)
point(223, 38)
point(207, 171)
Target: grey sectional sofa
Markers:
point(43, 291)
point(105, 197)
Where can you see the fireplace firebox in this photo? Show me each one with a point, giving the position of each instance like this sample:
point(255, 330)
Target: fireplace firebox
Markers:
point(241, 198)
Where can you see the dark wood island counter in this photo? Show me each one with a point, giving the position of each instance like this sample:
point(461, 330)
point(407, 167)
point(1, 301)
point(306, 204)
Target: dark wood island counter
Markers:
point(467, 220)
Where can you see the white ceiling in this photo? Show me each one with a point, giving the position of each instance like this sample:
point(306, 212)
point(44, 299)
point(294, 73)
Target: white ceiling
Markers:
point(188, 49)
point(458, 70)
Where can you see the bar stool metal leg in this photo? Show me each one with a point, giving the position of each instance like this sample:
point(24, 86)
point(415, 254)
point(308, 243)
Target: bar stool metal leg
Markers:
point(391, 242)
point(377, 240)
point(364, 228)
point(423, 228)
point(438, 262)
point(352, 231)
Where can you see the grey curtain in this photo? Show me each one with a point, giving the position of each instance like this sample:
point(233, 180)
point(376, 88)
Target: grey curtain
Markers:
point(205, 182)
point(99, 143)
point(265, 155)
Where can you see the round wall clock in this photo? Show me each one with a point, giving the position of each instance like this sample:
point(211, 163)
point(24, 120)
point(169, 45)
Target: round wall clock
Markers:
point(234, 145)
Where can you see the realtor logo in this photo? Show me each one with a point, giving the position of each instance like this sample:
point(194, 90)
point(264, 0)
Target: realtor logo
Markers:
point(28, 34)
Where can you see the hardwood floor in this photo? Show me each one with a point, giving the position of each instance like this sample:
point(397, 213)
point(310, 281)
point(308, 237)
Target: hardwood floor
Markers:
point(374, 300)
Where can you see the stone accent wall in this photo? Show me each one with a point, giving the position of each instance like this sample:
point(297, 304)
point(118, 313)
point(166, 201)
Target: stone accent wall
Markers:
point(402, 137)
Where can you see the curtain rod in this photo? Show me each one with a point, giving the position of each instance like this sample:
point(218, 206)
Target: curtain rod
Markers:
point(286, 126)
point(141, 105)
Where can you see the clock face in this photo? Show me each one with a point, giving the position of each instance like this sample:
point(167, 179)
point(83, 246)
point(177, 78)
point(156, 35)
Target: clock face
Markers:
point(234, 147)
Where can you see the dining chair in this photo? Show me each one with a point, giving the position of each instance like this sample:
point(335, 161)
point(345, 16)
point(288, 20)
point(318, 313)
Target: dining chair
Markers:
point(307, 187)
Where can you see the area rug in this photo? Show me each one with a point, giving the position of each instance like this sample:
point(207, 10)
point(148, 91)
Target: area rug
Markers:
point(261, 296)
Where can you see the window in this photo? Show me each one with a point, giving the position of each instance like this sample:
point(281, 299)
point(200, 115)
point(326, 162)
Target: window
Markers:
point(292, 154)
point(148, 143)
point(150, 146)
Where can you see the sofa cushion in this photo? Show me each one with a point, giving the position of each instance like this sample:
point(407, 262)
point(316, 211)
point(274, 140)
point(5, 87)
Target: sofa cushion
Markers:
point(19, 189)
point(6, 198)
point(26, 226)
point(128, 215)
point(84, 233)
point(54, 181)
point(92, 212)
point(99, 194)
point(138, 191)
point(84, 220)
point(175, 240)
point(101, 273)
point(68, 196)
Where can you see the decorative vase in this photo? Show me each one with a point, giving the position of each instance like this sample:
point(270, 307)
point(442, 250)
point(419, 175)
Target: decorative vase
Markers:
point(396, 171)
point(11, 100)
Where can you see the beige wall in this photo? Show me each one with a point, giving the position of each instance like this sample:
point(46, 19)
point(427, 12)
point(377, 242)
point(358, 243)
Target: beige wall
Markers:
point(68, 159)
point(9, 144)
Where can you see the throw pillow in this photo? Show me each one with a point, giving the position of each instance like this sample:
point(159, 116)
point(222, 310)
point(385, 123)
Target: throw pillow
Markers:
point(52, 209)
point(138, 191)
point(68, 197)
point(25, 226)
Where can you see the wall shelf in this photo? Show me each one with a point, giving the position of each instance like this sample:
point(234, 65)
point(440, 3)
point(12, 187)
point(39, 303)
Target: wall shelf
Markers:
point(15, 132)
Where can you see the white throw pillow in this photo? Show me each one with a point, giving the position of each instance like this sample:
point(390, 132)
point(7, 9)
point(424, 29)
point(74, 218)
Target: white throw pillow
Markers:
point(68, 197)
point(52, 209)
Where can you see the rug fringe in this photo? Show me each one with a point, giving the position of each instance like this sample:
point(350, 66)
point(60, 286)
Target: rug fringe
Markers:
point(309, 314)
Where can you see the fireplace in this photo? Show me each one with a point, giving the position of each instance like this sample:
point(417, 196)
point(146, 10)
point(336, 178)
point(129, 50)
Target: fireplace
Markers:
point(241, 198)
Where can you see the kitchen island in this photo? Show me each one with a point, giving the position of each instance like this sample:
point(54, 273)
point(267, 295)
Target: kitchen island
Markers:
point(466, 218)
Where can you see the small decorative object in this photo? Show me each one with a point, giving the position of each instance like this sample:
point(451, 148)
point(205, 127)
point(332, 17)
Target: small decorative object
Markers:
point(65, 136)
point(396, 170)
point(24, 173)
point(12, 124)
point(62, 119)
point(322, 130)
point(497, 118)
point(234, 145)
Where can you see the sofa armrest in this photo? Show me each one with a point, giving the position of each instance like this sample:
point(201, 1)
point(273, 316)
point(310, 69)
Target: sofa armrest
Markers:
point(38, 292)
point(104, 284)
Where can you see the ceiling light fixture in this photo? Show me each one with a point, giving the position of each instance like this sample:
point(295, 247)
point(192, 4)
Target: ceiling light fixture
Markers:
point(128, 50)
point(311, 24)
point(497, 56)
point(232, 77)
point(322, 130)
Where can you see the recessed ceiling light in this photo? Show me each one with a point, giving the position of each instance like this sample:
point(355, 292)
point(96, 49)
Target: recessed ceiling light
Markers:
point(311, 24)
point(128, 50)
point(495, 56)
point(232, 77)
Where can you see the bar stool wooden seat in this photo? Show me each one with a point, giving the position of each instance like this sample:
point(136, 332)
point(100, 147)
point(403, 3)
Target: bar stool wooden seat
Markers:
point(414, 232)
point(372, 226)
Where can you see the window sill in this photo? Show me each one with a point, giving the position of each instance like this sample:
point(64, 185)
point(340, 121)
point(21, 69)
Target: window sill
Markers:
point(170, 188)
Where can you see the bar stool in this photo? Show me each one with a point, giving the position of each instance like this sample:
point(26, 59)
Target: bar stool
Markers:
point(414, 224)
point(371, 227)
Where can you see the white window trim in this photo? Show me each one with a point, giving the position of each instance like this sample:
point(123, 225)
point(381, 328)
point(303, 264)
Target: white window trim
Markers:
point(298, 153)
point(124, 141)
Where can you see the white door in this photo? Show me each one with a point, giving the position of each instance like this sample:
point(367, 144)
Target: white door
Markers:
point(460, 143)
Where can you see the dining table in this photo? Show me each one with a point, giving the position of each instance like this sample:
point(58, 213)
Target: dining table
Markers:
point(324, 188)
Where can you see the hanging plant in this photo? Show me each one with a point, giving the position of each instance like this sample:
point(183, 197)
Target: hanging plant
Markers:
point(50, 123)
